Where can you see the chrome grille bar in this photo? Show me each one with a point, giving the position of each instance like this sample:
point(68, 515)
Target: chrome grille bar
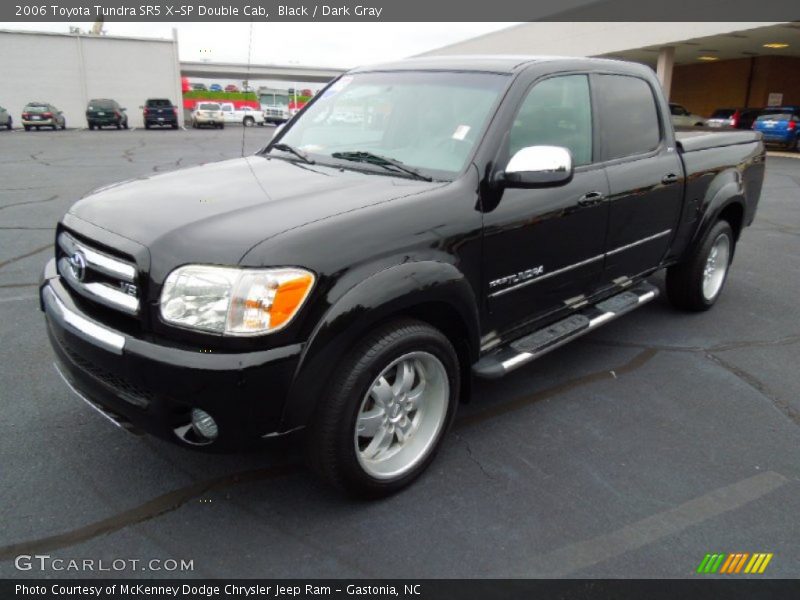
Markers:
point(96, 260)
point(102, 292)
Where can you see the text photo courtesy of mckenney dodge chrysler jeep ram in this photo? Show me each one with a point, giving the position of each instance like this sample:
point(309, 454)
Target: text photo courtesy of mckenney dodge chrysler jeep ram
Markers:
point(350, 278)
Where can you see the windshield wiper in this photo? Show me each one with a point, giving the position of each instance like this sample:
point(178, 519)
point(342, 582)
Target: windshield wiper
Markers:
point(292, 150)
point(381, 161)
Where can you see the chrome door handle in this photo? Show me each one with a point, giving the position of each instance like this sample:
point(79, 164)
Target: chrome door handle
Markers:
point(669, 178)
point(591, 198)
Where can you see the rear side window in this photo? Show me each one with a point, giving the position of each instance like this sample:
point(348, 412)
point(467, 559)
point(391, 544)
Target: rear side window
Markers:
point(628, 117)
point(556, 112)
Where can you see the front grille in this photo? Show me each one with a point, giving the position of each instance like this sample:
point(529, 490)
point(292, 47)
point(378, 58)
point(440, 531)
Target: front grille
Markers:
point(97, 275)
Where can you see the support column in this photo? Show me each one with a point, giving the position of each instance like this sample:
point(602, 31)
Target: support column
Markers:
point(666, 60)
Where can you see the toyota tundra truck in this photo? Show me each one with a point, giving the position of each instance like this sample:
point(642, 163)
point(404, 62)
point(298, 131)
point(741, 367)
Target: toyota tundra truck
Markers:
point(350, 279)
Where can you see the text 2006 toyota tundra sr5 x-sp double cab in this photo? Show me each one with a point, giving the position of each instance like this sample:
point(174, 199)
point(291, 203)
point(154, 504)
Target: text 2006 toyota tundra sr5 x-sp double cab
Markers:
point(353, 276)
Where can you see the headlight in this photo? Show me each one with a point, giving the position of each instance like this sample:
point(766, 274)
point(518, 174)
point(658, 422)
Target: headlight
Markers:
point(234, 301)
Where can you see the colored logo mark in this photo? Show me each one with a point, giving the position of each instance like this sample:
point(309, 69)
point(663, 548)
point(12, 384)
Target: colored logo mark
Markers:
point(738, 562)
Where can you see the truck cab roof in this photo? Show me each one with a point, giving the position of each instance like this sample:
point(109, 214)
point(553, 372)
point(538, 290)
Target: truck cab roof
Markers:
point(497, 63)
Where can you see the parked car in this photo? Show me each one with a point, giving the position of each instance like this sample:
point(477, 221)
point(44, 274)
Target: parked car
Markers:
point(161, 112)
point(231, 88)
point(352, 284)
point(683, 118)
point(736, 118)
point(207, 114)
point(102, 112)
point(42, 114)
point(245, 115)
point(199, 87)
point(780, 126)
point(215, 87)
point(5, 119)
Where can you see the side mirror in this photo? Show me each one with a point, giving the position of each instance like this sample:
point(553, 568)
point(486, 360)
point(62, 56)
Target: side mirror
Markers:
point(538, 166)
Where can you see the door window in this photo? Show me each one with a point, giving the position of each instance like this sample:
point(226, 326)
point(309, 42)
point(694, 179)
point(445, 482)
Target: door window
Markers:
point(556, 112)
point(627, 115)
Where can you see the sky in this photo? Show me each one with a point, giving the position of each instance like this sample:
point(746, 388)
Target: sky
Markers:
point(313, 44)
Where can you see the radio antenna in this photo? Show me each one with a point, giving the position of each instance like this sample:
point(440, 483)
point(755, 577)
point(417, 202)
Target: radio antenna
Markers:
point(246, 83)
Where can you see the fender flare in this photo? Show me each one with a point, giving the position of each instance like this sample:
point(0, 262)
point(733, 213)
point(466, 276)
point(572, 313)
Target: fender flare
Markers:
point(724, 191)
point(391, 291)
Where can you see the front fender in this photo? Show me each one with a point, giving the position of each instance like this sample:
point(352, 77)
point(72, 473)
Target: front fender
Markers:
point(392, 291)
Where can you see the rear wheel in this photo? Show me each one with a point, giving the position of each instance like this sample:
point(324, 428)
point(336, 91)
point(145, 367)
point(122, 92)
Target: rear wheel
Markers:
point(391, 401)
point(697, 283)
point(27, 127)
point(249, 121)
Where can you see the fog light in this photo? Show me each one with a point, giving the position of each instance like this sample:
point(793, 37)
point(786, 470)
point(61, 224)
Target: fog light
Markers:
point(204, 424)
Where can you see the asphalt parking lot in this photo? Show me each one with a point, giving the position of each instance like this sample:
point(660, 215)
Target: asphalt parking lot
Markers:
point(632, 452)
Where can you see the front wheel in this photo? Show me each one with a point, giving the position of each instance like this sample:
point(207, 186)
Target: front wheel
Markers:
point(390, 403)
point(697, 283)
point(248, 122)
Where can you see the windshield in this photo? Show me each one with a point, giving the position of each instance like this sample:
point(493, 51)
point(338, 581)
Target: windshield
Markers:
point(426, 120)
point(101, 104)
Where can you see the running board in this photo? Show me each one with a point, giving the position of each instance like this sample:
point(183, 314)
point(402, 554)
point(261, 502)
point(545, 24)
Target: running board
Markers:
point(524, 350)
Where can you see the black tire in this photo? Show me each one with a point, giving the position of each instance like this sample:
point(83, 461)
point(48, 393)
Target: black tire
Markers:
point(330, 438)
point(222, 125)
point(174, 125)
point(147, 125)
point(27, 127)
point(125, 124)
point(685, 280)
point(119, 126)
point(9, 124)
point(91, 126)
point(248, 121)
point(64, 125)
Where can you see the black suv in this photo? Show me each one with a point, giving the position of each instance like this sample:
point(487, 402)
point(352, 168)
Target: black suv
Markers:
point(159, 111)
point(102, 112)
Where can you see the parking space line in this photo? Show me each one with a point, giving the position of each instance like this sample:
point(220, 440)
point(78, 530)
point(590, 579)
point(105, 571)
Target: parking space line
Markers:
point(573, 557)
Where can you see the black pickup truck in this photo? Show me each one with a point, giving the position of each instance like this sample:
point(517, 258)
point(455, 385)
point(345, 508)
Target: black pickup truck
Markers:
point(417, 224)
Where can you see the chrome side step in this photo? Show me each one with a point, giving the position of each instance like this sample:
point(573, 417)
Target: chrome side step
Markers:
point(524, 350)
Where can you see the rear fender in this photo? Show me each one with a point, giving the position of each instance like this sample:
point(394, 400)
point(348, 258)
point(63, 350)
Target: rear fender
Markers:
point(725, 190)
point(388, 293)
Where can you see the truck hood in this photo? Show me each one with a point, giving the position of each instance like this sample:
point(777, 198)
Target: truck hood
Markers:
point(214, 213)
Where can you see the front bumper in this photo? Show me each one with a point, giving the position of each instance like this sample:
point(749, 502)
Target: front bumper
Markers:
point(154, 387)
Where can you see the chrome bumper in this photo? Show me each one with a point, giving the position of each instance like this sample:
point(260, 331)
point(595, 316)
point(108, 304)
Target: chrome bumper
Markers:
point(81, 326)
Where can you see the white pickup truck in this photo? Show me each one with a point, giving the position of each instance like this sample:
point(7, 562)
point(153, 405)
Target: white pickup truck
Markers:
point(245, 115)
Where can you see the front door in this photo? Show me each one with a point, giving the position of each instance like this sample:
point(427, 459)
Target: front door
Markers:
point(543, 248)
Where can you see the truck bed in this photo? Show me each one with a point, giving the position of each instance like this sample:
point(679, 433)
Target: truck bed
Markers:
point(693, 141)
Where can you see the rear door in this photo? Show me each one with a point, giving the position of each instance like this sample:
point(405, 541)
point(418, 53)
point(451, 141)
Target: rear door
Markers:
point(645, 175)
point(543, 248)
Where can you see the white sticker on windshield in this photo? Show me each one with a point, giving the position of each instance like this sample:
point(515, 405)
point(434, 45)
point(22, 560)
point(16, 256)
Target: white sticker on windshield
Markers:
point(461, 132)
